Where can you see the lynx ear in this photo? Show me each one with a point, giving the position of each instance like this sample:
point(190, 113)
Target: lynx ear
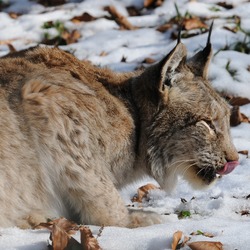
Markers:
point(172, 63)
point(200, 61)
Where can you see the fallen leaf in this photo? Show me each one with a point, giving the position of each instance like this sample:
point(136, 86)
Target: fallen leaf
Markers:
point(245, 212)
point(164, 27)
point(225, 5)
point(69, 227)
point(142, 192)
point(121, 20)
point(238, 101)
point(71, 37)
point(88, 241)
point(176, 239)
point(206, 234)
point(193, 23)
point(59, 238)
point(205, 245)
point(152, 3)
point(148, 60)
point(235, 118)
point(179, 240)
point(51, 2)
point(85, 17)
point(14, 15)
point(103, 53)
point(11, 48)
point(133, 11)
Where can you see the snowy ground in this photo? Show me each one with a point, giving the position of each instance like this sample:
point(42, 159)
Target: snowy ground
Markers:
point(224, 209)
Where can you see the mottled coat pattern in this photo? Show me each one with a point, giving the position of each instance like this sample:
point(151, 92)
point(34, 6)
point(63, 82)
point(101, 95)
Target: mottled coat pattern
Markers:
point(72, 134)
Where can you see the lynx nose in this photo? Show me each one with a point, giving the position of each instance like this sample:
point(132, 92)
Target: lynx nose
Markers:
point(228, 167)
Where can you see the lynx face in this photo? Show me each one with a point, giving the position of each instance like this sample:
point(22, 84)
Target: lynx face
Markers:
point(188, 133)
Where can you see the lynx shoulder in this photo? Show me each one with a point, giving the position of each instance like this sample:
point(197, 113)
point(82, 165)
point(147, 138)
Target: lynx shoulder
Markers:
point(72, 134)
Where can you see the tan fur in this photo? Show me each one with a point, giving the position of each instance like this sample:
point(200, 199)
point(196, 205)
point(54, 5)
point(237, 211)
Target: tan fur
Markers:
point(71, 134)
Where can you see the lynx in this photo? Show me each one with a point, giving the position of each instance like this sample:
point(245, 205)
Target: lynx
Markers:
point(72, 134)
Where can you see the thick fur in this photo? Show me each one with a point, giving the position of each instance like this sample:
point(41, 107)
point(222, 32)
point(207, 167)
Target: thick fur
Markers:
point(71, 134)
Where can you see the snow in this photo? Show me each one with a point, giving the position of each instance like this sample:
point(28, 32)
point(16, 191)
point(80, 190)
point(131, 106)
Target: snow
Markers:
point(216, 210)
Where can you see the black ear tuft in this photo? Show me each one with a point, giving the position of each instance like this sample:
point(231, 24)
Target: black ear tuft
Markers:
point(200, 61)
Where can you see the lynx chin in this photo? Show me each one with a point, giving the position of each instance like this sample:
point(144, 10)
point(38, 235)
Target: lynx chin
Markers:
point(72, 134)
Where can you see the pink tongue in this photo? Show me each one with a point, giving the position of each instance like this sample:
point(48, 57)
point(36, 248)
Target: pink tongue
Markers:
point(228, 167)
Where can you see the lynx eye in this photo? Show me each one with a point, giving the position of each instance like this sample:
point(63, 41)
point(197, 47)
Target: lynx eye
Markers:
point(209, 124)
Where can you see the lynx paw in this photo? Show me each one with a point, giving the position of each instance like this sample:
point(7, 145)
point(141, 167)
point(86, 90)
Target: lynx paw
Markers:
point(143, 219)
point(32, 220)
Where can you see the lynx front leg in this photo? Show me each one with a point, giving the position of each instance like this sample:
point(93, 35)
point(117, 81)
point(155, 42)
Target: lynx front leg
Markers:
point(98, 202)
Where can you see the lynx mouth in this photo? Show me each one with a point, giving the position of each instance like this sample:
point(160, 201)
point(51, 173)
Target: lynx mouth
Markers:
point(228, 168)
point(208, 174)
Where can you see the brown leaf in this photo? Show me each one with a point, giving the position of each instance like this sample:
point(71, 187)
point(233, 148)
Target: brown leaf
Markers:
point(193, 23)
point(14, 15)
point(225, 5)
point(103, 53)
point(245, 212)
point(69, 227)
point(244, 118)
point(176, 239)
point(152, 3)
point(164, 27)
point(85, 17)
point(11, 48)
point(235, 118)
point(205, 245)
point(71, 37)
point(238, 101)
point(52, 2)
point(142, 192)
point(206, 234)
point(234, 29)
point(133, 11)
point(88, 241)
point(243, 152)
point(148, 60)
point(59, 238)
point(121, 20)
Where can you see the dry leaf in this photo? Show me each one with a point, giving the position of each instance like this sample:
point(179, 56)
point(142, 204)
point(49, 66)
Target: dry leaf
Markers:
point(243, 152)
point(235, 118)
point(238, 101)
point(59, 238)
point(71, 37)
point(193, 23)
point(152, 3)
point(85, 17)
point(148, 60)
point(14, 15)
point(121, 20)
point(69, 227)
point(142, 192)
point(51, 2)
point(205, 245)
point(11, 48)
point(177, 236)
point(103, 53)
point(206, 234)
point(164, 27)
point(133, 11)
point(88, 241)
point(225, 5)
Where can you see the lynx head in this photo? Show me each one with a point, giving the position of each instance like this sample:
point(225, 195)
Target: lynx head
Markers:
point(186, 123)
